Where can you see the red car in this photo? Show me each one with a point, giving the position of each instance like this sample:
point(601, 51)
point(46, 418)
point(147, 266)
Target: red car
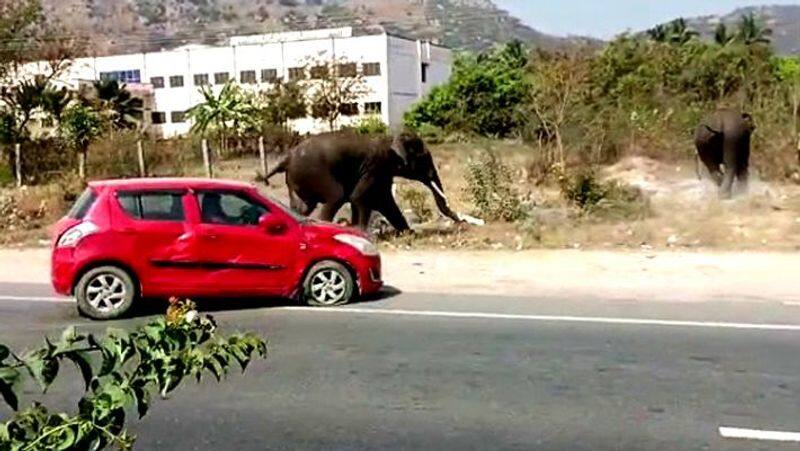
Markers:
point(128, 239)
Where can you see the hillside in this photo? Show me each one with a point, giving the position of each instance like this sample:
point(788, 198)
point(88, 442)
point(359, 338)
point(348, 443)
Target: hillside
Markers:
point(135, 25)
point(784, 20)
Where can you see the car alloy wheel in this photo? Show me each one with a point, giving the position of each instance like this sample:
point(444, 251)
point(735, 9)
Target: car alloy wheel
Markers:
point(328, 284)
point(106, 292)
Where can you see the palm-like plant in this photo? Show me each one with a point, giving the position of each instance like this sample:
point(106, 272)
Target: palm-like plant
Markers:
point(722, 36)
point(678, 32)
point(228, 113)
point(114, 100)
point(752, 31)
point(55, 101)
point(80, 125)
point(658, 33)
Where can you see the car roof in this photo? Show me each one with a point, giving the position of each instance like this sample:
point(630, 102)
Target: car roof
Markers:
point(170, 183)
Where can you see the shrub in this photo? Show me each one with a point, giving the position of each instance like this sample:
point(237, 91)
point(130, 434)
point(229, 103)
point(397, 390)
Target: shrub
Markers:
point(417, 201)
point(371, 125)
point(490, 188)
point(609, 200)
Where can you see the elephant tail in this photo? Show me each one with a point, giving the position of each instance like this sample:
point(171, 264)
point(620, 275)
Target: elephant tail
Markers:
point(280, 168)
point(697, 169)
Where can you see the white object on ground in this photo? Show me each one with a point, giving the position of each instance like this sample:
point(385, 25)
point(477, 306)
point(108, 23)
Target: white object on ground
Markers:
point(471, 220)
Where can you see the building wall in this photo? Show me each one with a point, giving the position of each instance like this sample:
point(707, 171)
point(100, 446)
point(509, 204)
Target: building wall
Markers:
point(397, 87)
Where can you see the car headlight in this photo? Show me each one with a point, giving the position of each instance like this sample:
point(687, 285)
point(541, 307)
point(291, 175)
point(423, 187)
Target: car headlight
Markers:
point(362, 245)
point(73, 236)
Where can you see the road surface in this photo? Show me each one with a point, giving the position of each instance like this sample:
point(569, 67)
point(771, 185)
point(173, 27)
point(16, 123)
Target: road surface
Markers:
point(427, 371)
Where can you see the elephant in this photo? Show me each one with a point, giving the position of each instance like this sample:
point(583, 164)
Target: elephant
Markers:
point(723, 146)
point(335, 168)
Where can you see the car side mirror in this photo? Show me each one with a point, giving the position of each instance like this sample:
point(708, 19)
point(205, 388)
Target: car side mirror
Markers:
point(272, 224)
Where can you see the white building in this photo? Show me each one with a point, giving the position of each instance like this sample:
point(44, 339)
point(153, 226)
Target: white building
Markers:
point(398, 71)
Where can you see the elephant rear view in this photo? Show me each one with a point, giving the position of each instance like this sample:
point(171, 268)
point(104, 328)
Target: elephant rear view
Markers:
point(723, 145)
point(335, 168)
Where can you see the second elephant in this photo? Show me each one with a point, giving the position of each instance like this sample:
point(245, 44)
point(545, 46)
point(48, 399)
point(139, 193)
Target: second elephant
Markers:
point(723, 145)
point(336, 168)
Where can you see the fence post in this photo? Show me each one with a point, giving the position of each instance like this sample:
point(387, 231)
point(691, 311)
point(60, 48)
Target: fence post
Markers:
point(207, 159)
point(18, 163)
point(262, 153)
point(140, 154)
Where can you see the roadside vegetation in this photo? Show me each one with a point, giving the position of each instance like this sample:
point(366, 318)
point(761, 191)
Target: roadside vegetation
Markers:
point(121, 373)
point(536, 143)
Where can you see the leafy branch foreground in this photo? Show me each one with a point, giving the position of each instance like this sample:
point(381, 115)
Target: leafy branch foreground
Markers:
point(120, 371)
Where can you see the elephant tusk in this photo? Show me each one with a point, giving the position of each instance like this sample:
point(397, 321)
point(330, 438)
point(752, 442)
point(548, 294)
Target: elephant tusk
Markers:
point(439, 190)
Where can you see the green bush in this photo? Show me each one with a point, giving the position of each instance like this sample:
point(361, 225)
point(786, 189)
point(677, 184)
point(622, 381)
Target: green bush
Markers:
point(491, 190)
point(417, 201)
point(371, 125)
point(609, 200)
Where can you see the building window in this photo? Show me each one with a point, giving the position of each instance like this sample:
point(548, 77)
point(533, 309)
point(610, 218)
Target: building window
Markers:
point(158, 117)
point(248, 77)
point(297, 73)
point(347, 70)
point(122, 76)
point(157, 82)
point(269, 75)
point(178, 117)
point(373, 108)
point(348, 109)
point(220, 78)
point(424, 72)
point(176, 81)
point(372, 69)
point(318, 72)
point(201, 80)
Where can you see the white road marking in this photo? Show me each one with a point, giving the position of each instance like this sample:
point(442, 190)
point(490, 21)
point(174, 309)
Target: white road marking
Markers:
point(35, 298)
point(791, 304)
point(755, 434)
point(554, 318)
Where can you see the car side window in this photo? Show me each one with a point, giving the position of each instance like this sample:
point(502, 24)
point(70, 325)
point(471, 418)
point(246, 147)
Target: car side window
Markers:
point(229, 209)
point(153, 206)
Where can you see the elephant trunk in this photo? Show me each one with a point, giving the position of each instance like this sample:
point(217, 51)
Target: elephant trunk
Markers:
point(435, 186)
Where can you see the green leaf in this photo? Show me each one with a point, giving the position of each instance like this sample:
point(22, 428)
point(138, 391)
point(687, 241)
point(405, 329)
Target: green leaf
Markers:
point(82, 361)
point(142, 400)
point(10, 398)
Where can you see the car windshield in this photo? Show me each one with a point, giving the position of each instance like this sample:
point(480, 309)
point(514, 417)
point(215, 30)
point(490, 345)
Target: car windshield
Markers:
point(285, 208)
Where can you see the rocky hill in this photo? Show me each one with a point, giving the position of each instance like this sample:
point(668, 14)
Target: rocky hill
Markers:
point(135, 25)
point(784, 20)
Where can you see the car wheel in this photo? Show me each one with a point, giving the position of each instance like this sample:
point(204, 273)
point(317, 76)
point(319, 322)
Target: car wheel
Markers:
point(105, 293)
point(328, 284)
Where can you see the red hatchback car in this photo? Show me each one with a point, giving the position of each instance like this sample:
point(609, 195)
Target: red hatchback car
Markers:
point(128, 239)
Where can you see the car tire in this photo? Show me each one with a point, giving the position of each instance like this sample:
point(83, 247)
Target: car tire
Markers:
point(105, 293)
point(328, 284)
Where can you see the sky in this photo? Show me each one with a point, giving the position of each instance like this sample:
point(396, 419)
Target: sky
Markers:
point(607, 18)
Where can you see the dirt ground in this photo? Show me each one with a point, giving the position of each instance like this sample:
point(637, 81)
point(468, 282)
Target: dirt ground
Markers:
point(625, 276)
point(685, 211)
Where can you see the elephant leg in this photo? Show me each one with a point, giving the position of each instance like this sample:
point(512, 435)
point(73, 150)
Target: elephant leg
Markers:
point(299, 205)
point(389, 209)
point(743, 167)
point(731, 162)
point(329, 210)
point(362, 213)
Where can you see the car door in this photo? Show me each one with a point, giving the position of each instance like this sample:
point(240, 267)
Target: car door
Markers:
point(239, 256)
point(153, 225)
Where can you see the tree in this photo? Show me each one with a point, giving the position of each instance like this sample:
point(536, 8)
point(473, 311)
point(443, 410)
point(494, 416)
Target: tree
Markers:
point(788, 69)
point(124, 111)
point(80, 126)
point(481, 96)
point(120, 371)
point(679, 33)
point(282, 102)
point(558, 81)
point(227, 114)
point(659, 33)
point(752, 31)
point(335, 89)
point(18, 29)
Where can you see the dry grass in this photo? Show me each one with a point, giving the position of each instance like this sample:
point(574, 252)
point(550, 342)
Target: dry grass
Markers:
point(685, 211)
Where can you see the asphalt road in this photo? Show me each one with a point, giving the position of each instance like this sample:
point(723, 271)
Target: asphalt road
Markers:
point(422, 371)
